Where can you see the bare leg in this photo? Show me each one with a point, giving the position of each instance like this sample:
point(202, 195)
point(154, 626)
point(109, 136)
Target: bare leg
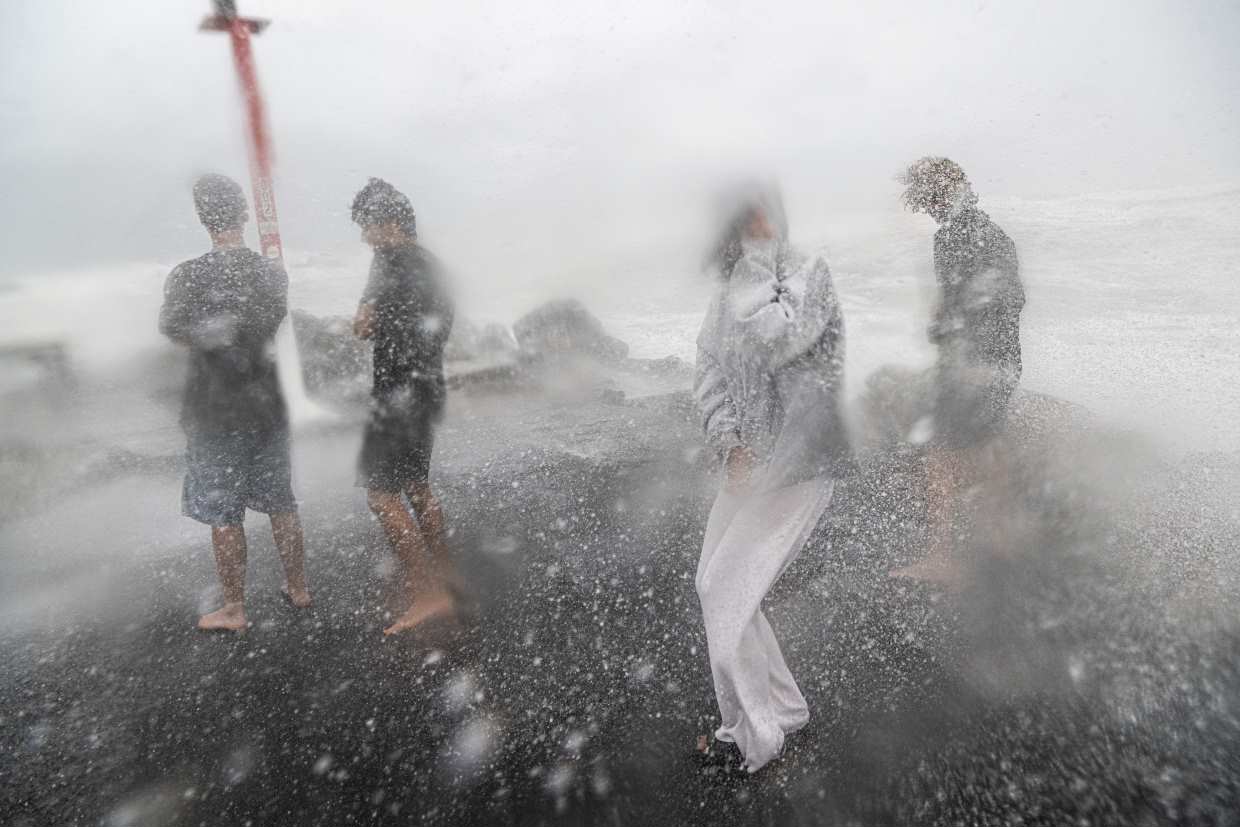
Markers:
point(291, 544)
point(229, 545)
point(429, 514)
point(428, 596)
point(944, 478)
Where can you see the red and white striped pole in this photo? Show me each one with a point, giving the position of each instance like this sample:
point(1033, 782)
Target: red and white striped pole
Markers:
point(240, 31)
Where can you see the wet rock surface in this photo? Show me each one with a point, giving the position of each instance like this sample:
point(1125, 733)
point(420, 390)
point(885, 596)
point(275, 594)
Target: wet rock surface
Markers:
point(566, 327)
point(334, 362)
point(555, 345)
point(1088, 672)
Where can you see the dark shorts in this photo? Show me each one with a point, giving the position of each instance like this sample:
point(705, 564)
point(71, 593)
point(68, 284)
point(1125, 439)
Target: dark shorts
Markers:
point(396, 447)
point(971, 402)
point(228, 473)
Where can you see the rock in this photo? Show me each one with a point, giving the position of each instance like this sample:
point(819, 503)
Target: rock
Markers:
point(463, 343)
point(334, 362)
point(565, 327)
point(495, 339)
point(671, 368)
point(337, 365)
point(469, 342)
point(898, 403)
point(895, 399)
point(578, 527)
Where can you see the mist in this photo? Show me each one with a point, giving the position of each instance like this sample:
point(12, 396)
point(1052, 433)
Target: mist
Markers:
point(548, 141)
point(565, 163)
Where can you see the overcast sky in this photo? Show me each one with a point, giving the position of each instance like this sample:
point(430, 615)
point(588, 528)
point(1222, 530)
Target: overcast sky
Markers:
point(550, 136)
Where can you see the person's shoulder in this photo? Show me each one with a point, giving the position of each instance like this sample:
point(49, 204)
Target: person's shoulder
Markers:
point(190, 268)
point(794, 258)
point(197, 262)
point(424, 258)
point(242, 259)
point(816, 268)
point(253, 258)
point(984, 225)
point(992, 236)
point(273, 264)
point(817, 262)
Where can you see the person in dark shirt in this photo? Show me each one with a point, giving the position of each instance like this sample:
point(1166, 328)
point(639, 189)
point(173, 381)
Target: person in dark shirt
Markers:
point(406, 313)
point(976, 328)
point(226, 306)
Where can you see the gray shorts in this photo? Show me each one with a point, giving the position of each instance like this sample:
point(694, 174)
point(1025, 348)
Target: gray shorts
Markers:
point(396, 448)
point(228, 473)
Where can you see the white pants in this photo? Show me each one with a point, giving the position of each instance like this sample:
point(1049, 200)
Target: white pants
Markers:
point(750, 540)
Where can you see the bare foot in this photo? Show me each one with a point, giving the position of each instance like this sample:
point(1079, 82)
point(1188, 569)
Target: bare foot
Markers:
point(427, 606)
point(298, 598)
point(229, 618)
point(936, 569)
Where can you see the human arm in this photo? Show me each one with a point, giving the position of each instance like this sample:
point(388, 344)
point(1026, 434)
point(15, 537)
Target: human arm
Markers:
point(781, 304)
point(364, 318)
point(716, 409)
point(180, 316)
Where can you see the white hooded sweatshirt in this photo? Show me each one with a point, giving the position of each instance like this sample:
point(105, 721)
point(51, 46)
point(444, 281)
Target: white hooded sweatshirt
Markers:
point(770, 365)
point(769, 372)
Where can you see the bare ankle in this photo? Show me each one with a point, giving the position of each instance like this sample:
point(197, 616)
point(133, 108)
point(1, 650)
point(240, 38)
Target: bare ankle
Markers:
point(229, 617)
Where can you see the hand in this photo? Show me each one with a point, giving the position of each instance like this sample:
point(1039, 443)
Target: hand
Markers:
point(364, 321)
point(739, 466)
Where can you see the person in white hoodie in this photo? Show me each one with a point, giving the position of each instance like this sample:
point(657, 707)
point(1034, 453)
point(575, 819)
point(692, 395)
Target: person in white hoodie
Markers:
point(768, 378)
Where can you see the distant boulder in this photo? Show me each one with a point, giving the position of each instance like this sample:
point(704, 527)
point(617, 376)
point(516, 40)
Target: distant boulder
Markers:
point(470, 342)
point(497, 340)
point(337, 365)
point(334, 362)
point(897, 409)
point(563, 328)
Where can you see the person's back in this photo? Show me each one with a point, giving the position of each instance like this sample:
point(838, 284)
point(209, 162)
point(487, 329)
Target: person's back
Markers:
point(226, 306)
point(976, 328)
point(981, 294)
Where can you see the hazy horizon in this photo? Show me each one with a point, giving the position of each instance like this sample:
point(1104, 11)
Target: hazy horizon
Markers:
point(548, 140)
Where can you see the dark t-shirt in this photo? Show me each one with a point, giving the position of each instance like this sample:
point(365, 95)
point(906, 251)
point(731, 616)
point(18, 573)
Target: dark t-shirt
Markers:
point(981, 296)
point(226, 306)
point(413, 318)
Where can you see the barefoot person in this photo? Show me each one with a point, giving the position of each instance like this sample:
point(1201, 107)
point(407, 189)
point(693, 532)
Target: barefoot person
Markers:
point(769, 371)
point(225, 306)
point(406, 313)
point(976, 328)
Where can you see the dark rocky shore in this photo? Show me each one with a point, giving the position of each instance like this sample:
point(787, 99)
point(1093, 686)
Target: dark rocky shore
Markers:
point(1089, 674)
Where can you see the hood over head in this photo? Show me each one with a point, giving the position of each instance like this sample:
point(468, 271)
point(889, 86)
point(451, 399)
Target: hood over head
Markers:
point(734, 207)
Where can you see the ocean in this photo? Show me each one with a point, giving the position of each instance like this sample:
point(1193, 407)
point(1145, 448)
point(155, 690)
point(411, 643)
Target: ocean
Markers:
point(1133, 303)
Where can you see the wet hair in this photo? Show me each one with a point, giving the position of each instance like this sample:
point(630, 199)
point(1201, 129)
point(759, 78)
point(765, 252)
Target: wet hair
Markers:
point(381, 203)
point(220, 203)
point(935, 180)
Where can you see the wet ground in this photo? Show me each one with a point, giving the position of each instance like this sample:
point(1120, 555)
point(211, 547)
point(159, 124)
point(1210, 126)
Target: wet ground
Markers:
point(1067, 685)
